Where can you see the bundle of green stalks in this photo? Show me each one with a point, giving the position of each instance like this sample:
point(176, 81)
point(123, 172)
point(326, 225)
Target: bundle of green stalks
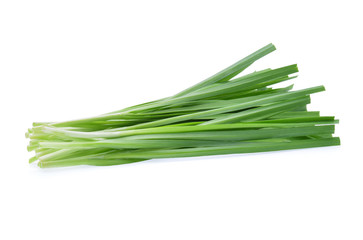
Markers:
point(223, 114)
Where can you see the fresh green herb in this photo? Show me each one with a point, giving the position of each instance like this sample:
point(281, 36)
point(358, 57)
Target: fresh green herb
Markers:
point(220, 115)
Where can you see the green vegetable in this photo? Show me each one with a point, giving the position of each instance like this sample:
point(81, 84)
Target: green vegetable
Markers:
point(220, 115)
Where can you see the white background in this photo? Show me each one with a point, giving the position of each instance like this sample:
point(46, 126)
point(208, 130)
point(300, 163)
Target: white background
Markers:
point(62, 60)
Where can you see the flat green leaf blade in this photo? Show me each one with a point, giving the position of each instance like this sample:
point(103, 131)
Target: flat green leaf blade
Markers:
point(232, 70)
